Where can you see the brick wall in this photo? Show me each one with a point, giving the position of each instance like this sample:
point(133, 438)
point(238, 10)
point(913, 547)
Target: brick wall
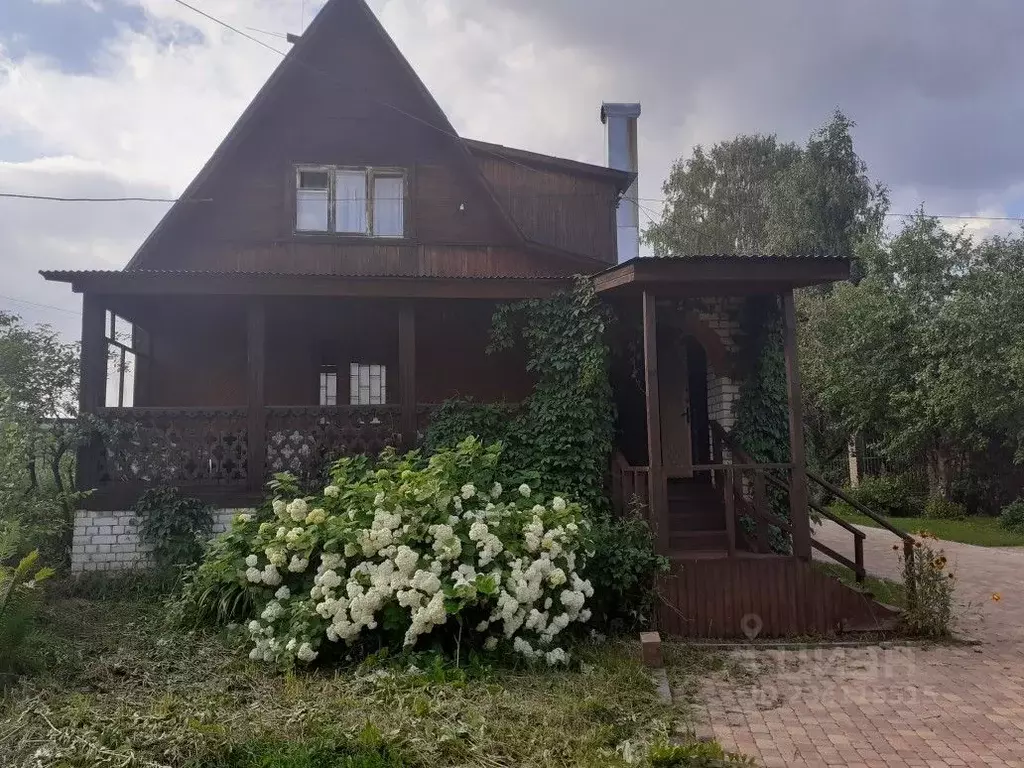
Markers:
point(723, 391)
point(109, 541)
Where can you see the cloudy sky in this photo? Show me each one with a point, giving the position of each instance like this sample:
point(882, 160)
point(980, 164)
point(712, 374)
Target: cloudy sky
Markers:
point(129, 97)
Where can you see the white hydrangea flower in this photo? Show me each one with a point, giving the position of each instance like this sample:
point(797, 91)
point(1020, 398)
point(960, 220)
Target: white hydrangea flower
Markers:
point(468, 491)
point(254, 575)
point(272, 612)
point(297, 510)
point(252, 561)
point(279, 507)
point(496, 491)
point(556, 656)
point(244, 517)
point(524, 490)
point(282, 531)
point(306, 652)
point(316, 517)
point(298, 564)
point(332, 491)
point(270, 575)
point(490, 643)
point(558, 504)
point(283, 593)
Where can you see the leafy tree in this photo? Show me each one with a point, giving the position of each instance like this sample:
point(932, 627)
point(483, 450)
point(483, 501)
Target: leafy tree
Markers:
point(927, 352)
point(825, 201)
point(756, 194)
point(39, 432)
point(718, 199)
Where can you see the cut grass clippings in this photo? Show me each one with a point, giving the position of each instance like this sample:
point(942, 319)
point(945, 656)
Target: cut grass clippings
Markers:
point(122, 690)
point(980, 531)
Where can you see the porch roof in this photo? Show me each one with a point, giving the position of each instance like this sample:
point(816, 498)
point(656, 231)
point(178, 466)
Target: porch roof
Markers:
point(711, 274)
point(161, 282)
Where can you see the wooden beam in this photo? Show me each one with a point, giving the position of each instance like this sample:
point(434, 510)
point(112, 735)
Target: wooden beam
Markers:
point(92, 385)
point(658, 493)
point(798, 495)
point(256, 343)
point(407, 372)
point(252, 284)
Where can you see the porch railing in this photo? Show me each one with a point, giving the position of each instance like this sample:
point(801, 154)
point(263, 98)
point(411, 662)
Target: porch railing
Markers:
point(209, 448)
point(747, 489)
point(169, 446)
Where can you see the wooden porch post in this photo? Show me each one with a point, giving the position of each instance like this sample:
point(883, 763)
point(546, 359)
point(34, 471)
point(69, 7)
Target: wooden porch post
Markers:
point(798, 496)
point(92, 384)
point(658, 490)
point(407, 372)
point(256, 336)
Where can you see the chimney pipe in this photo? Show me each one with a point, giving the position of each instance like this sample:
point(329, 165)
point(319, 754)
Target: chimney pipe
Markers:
point(622, 155)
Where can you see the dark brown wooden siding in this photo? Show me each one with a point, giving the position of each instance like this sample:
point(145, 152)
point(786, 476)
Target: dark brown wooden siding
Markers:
point(326, 256)
point(349, 101)
point(199, 351)
point(776, 596)
point(572, 212)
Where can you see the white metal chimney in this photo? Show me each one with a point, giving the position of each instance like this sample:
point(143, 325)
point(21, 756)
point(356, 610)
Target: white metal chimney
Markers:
point(622, 155)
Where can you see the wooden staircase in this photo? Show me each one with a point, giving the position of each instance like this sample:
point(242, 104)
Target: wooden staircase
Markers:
point(696, 516)
point(724, 573)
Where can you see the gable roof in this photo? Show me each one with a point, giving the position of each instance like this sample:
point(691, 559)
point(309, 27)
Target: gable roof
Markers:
point(322, 32)
point(621, 179)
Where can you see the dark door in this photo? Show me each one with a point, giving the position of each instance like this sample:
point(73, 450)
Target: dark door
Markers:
point(674, 388)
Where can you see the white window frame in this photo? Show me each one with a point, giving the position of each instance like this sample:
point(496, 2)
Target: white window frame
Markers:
point(370, 371)
point(370, 174)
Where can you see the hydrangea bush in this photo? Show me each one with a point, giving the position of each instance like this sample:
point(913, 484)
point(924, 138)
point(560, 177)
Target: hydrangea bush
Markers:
point(404, 549)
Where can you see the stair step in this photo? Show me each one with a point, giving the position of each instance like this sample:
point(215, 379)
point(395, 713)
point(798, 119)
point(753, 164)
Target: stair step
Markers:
point(698, 540)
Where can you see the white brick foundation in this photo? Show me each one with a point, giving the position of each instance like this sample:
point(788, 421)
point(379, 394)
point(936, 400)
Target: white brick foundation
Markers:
point(109, 541)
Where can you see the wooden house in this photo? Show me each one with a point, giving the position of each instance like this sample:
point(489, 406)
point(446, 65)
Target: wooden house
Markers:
point(329, 277)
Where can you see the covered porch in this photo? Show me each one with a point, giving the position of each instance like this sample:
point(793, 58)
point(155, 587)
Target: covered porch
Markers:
point(212, 384)
point(737, 530)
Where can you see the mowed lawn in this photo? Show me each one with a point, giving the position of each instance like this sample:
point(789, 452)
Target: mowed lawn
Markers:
point(980, 531)
point(116, 688)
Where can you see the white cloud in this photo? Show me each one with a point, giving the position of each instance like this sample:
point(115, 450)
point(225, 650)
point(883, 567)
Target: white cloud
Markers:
point(528, 74)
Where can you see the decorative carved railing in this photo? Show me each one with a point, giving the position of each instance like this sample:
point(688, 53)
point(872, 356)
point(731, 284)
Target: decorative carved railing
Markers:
point(171, 446)
point(304, 440)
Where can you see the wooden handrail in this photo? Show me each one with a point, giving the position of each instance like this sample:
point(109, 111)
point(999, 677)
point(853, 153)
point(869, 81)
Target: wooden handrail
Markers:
point(838, 493)
point(722, 436)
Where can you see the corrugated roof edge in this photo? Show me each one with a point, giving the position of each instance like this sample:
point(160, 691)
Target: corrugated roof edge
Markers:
point(59, 274)
point(731, 257)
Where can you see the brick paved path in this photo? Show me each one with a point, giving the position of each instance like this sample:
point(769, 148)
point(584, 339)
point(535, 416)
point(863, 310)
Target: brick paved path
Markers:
point(891, 705)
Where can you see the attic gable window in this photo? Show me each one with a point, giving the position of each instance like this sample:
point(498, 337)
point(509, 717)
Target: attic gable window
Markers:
point(350, 201)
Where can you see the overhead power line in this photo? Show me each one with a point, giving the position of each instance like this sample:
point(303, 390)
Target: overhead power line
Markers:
point(37, 304)
point(54, 199)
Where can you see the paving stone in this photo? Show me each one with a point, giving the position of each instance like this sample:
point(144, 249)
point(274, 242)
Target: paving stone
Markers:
point(891, 705)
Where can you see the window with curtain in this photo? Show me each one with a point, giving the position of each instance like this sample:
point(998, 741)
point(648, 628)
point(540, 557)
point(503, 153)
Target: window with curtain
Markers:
point(367, 384)
point(350, 201)
point(312, 201)
point(328, 385)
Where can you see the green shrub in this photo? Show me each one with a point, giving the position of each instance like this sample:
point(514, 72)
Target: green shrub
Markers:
point(1012, 517)
point(456, 419)
point(21, 597)
point(696, 754)
point(929, 611)
point(400, 551)
point(623, 569)
point(938, 508)
point(175, 526)
point(212, 593)
point(888, 495)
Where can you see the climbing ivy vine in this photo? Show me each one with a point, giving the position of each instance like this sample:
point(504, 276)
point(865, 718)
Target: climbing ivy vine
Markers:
point(564, 431)
point(762, 416)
